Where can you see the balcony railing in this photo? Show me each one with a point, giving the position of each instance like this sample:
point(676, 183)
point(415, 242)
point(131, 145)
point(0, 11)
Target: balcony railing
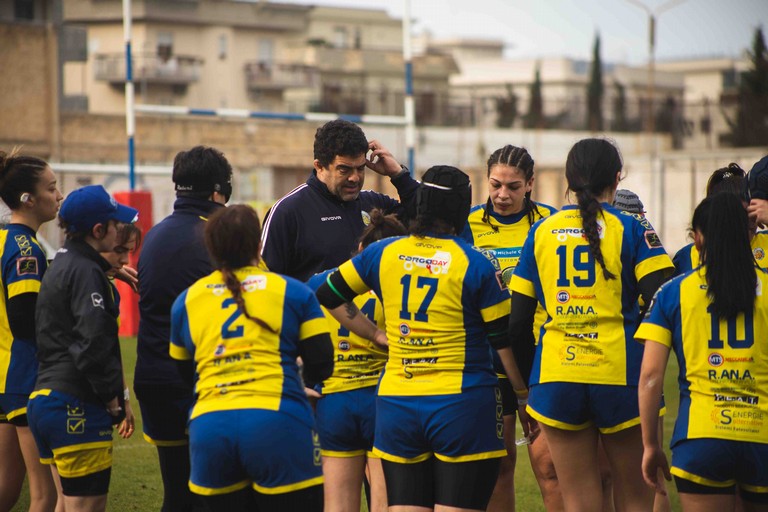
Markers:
point(265, 75)
point(149, 68)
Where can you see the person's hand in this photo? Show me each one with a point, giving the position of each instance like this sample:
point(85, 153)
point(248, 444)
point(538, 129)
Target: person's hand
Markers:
point(114, 410)
point(531, 427)
point(127, 426)
point(381, 161)
point(380, 338)
point(129, 276)
point(758, 211)
point(653, 461)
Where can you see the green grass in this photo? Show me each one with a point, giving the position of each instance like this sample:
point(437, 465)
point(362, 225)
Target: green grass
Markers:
point(136, 483)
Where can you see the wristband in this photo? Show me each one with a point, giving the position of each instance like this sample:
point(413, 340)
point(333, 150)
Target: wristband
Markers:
point(521, 393)
point(403, 170)
point(522, 401)
point(126, 394)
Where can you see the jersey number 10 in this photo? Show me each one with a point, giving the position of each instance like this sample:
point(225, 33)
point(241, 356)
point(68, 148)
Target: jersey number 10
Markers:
point(732, 338)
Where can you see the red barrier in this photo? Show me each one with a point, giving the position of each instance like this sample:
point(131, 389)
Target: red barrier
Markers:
point(129, 300)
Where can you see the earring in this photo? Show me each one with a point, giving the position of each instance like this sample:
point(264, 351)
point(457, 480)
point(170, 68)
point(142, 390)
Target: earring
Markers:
point(24, 197)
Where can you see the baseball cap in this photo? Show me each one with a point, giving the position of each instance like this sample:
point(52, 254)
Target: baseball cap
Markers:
point(758, 179)
point(628, 201)
point(87, 206)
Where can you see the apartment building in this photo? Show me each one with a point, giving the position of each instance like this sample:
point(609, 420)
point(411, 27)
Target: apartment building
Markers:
point(251, 55)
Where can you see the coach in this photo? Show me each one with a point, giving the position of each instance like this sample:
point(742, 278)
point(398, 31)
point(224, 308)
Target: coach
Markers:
point(316, 226)
point(174, 257)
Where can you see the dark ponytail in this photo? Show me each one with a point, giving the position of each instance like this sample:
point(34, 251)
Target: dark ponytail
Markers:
point(590, 169)
point(232, 238)
point(727, 253)
point(519, 158)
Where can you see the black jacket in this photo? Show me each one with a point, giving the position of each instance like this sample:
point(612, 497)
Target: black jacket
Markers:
point(311, 230)
point(76, 321)
point(173, 257)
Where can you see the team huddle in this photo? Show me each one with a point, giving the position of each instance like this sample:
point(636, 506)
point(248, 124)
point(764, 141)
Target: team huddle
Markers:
point(358, 341)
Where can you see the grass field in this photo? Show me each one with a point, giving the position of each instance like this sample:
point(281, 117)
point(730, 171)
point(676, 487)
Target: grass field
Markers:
point(136, 483)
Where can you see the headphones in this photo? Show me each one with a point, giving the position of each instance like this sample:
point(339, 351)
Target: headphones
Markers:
point(24, 197)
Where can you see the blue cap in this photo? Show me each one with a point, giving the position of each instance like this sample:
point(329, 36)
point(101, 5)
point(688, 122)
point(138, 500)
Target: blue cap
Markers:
point(87, 206)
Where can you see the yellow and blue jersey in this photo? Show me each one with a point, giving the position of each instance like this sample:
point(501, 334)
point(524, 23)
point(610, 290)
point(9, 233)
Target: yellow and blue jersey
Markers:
point(588, 335)
point(358, 362)
point(241, 363)
point(437, 293)
point(506, 242)
point(688, 258)
point(22, 265)
point(722, 362)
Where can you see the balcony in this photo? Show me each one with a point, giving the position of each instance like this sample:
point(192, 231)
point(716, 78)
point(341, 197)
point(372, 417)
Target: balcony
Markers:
point(148, 68)
point(274, 76)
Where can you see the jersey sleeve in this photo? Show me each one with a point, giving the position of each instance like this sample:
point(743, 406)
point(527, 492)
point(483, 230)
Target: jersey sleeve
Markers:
point(313, 320)
point(181, 346)
point(23, 267)
point(649, 252)
point(526, 274)
point(682, 261)
point(493, 296)
point(658, 323)
point(361, 273)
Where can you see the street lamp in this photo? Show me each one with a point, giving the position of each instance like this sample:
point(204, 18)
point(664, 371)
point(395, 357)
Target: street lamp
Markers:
point(653, 14)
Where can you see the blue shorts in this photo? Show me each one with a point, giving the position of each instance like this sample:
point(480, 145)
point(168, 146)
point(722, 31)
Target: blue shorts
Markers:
point(165, 414)
point(13, 407)
point(74, 435)
point(273, 451)
point(722, 463)
point(455, 428)
point(346, 422)
point(575, 406)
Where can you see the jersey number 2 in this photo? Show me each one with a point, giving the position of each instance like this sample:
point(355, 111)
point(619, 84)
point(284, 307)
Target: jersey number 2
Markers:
point(421, 282)
point(227, 331)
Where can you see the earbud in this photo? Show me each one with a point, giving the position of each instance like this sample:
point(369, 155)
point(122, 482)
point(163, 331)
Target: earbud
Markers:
point(24, 197)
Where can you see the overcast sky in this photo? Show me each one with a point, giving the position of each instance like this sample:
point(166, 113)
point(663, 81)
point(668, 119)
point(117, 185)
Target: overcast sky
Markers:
point(537, 28)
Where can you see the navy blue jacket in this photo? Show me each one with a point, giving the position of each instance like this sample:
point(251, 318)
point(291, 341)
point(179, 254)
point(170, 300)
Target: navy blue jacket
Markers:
point(311, 230)
point(173, 257)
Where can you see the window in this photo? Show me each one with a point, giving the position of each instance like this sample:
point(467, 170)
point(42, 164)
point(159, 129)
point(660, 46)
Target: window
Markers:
point(340, 37)
point(222, 46)
point(164, 45)
point(24, 9)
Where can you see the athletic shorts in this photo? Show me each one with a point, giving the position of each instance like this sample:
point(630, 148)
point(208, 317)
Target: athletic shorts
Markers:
point(273, 451)
point(165, 414)
point(14, 408)
point(454, 428)
point(74, 435)
point(722, 463)
point(575, 406)
point(346, 422)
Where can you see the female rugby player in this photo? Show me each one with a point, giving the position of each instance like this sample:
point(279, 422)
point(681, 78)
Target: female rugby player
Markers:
point(587, 265)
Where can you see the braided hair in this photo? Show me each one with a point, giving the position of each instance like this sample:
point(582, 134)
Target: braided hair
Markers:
point(520, 159)
point(590, 168)
point(232, 237)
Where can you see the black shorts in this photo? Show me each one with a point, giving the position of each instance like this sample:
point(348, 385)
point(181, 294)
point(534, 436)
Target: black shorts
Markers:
point(508, 398)
point(165, 413)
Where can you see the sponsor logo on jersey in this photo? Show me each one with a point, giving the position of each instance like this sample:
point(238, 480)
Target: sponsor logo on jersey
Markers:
point(582, 335)
point(334, 217)
point(575, 310)
point(252, 283)
point(220, 349)
point(217, 289)
point(437, 264)
point(405, 329)
point(726, 374)
point(26, 266)
point(737, 417)
point(563, 233)
point(652, 240)
point(563, 296)
point(745, 399)
point(759, 253)
point(486, 233)
point(344, 345)
point(427, 245)
point(715, 359)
